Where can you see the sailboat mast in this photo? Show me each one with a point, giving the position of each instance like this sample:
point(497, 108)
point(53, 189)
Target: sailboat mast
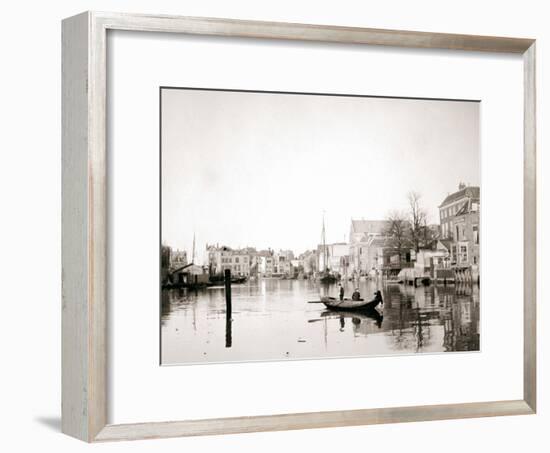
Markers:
point(324, 245)
point(193, 256)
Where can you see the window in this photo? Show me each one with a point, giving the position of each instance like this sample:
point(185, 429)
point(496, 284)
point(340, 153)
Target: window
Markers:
point(464, 253)
point(457, 237)
point(236, 259)
point(475, 230)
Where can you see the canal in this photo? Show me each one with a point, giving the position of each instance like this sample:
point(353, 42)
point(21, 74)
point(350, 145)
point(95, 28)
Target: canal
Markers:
point(272, 320)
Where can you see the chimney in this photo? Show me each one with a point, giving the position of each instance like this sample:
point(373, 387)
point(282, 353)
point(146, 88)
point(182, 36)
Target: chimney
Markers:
point(461, 186)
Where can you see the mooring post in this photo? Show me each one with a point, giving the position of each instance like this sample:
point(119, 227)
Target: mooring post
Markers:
point(228, 293)
point(228, 333)
point(228, 330)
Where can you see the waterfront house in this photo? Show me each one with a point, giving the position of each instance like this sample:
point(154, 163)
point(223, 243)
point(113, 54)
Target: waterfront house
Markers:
point(362, 233)
point(239, 261)
point(444, 246)
point(266, 265)
point(465, 248)
point(178, 259)
point(282, 263)
point(310, 262)
point(459, 215)
point(192, 274)
point(453, 203)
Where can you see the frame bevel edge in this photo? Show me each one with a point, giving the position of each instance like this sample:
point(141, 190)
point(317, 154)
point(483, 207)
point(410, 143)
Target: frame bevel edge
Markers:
point(74, 356)
point(84, 404)
point(91, 424)
point(317, 420)
point(309, 32)
point(530, 229)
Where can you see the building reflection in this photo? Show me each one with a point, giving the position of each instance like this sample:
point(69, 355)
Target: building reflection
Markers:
point(417, 317)
point(421, 319)
point(433, 318)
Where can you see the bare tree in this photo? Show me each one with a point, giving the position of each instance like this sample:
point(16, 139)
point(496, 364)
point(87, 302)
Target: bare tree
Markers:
point(417, 219)
point(398, 230)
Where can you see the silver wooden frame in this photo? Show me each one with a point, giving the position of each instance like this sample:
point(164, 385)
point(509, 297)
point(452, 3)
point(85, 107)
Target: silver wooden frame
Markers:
point(84, 353)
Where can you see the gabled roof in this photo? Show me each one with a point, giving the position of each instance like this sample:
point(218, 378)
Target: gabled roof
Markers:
point(368, 226)
point(381, 241)
point(467, 192)
point(446, 243)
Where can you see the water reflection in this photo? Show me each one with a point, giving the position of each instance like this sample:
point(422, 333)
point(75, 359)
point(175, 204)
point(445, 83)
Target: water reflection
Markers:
point(273, 320)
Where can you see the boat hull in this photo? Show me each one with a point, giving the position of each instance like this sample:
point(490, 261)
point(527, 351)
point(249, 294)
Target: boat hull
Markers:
point(348, 304)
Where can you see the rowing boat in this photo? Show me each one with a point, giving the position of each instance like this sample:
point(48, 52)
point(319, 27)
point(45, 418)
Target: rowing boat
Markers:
point(348, 304)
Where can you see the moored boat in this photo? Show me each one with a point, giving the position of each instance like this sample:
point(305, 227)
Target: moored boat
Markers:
point(327, 277)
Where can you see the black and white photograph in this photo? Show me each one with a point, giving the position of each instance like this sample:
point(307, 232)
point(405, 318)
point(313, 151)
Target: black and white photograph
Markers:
point(317, 225)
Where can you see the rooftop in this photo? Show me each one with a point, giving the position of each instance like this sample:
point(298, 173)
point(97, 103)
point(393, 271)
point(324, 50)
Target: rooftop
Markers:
point(466, 192)
point(368, 226)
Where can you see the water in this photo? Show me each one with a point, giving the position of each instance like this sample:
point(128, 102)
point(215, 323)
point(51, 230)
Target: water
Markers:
point(272, 320)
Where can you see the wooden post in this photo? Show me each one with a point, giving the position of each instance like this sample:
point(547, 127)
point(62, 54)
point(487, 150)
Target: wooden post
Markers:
point(228, 293)
point(228, 332)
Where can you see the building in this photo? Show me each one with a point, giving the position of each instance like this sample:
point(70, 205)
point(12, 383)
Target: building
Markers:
point(239, 261)
point(266, 265)
point(310, 262)
point(362, 233)
point(453, 203)
point(178, 259)
point(191, 275)
point(459, 214)
point(337, 257)
point(282, 263)
point(465, 233)
point(444, 246)
point(427, 261)
point(381, 258)
point(297, 267)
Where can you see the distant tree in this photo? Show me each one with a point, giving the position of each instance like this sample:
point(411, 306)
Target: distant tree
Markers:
point(429, 234)
point(165, 256)
point(398, 232)
point(417, 220)
point(313, 262)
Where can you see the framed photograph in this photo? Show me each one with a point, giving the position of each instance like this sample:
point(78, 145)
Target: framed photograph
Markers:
point(271, 226)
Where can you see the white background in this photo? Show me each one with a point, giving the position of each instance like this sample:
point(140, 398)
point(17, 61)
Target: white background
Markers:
point(30, 231)
point(139, 63)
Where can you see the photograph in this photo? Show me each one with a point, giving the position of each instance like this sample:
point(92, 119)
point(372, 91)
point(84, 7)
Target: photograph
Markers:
point(301, 226)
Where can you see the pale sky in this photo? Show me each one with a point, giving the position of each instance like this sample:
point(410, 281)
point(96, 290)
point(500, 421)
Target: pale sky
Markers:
point(258, 169)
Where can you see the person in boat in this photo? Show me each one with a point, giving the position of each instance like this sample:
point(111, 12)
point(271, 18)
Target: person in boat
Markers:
point(356, 295)
point(377, 299)
point(341, 291)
